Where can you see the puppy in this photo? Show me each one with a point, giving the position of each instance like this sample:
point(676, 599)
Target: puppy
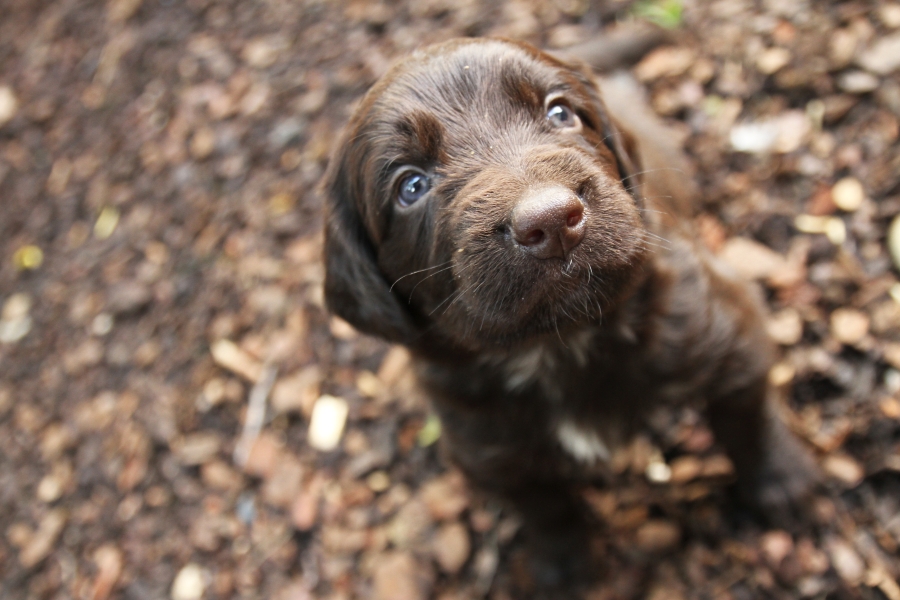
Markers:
point(486, 210)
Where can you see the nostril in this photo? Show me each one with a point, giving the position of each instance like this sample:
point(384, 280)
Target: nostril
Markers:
point(533, 238)
point(574, 217)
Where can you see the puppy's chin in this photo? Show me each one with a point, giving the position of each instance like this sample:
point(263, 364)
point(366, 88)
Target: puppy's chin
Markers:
point(518, 301)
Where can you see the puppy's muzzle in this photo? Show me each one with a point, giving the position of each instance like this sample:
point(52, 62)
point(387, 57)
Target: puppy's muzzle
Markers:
point(548, 222)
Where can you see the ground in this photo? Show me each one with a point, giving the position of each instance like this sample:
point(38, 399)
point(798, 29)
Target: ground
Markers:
point(160, 245)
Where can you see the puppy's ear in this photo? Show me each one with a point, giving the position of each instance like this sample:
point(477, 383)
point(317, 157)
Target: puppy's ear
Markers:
point(355, 289)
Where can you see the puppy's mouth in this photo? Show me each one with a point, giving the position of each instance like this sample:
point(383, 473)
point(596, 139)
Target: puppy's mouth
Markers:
point(561, 257)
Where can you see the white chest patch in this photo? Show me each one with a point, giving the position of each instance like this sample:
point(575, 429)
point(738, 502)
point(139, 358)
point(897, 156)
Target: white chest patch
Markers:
point(539, 363)
point(584, 445)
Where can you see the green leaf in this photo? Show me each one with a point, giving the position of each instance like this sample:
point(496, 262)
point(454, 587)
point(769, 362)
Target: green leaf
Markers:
point(430, 432)
point(665, 13)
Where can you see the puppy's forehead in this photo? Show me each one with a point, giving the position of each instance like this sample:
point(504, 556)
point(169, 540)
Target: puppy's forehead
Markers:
point(457, 80)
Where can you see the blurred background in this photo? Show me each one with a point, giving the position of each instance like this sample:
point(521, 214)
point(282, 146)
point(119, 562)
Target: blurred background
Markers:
point(180, 418)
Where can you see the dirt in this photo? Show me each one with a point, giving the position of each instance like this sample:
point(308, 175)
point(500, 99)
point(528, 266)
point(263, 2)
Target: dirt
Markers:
point(158, 164)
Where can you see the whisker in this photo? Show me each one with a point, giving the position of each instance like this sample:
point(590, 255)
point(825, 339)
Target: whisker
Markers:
point(419, 271)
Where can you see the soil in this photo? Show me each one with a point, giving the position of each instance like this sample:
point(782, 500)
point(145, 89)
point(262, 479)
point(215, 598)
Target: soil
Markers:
point(160, 239)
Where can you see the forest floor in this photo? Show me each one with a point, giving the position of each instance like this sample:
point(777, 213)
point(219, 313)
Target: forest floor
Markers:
point(160, 258)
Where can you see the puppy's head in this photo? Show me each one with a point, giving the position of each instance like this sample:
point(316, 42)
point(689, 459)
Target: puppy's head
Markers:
point(477, 198)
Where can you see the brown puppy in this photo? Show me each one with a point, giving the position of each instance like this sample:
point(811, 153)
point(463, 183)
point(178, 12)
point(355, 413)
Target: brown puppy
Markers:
point(485, 210)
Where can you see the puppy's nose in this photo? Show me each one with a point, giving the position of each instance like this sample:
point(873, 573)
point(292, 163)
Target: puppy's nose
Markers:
point(548, 222)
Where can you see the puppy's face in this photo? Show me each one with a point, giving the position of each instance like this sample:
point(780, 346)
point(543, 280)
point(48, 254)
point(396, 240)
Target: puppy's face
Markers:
point(478, 197)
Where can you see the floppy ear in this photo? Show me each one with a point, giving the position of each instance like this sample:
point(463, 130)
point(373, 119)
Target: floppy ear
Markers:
point(355, 289)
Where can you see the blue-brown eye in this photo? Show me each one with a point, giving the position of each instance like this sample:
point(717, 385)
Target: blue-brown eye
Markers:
point(413, 187)
point(561, 116)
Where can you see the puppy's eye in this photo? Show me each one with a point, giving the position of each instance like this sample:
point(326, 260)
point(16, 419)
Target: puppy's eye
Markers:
point(413, 187)
point(560, 115)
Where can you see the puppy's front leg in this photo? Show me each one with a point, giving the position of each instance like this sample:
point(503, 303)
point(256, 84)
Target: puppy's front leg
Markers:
point(775, 473)
point(503, 452)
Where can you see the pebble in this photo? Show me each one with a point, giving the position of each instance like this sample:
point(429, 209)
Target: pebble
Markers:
point(665, 62)
point(283, 485)
point(849, 326)
point(197, 448)
point(889, 14)
point(686, 468)
point(265, 452)
point(658, 536)
point(848, 564)
point(327, 422)
point(305, 510)
point(189, 584)
point(397, 576)
point(203, 142)
point(772, 60)
point(297, 392)
point(451, 547)
point(15, 320)
point(785, 327)
point(844, 468)
point(128, 298)
point(857, 82)
point(44, 539)
point(848, 194)
point(8, 104)
point(445, 496)
point(411, 525)
point(894, 241)
point(108, 559)
point(882, 57)
point(750, 259)
point(776, 546)
point(218, 475)
point(262, 52)
point(228, 355)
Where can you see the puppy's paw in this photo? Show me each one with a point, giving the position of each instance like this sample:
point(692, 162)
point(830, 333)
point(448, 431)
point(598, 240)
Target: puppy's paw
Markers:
point(561, 561)
point(785, 480)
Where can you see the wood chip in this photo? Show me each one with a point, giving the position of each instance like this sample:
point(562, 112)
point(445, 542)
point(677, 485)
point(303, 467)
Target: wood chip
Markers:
point(326, 426)
point(844, 468)
point(42, 542)
point(229, 356)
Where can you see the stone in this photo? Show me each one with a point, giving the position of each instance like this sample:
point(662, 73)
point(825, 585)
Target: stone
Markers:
point(189, 584)
point(857, 82)
point(283, 486)
point(849, 326)
point(327, 422)
point(685, 468)
point(848, 194)
point(846, 561)
point(882, 57)
point(229, 355)
point(785, 327)
point(297, 392)
point(668, 61)
point(397, 576)
point(845, 468)
point(127, 298)
point(657, 536)
point(203, 143)
point(8, 104)
point(197, 448)
point(265, 452)
point(776, 546)
point(108, 559)
point(772, 60)
point(750, 259)
point(451, 547)
point(445, 496)
point(44, 539)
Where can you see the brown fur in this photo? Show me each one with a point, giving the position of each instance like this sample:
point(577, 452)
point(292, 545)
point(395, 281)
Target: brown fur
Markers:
point(512, 347)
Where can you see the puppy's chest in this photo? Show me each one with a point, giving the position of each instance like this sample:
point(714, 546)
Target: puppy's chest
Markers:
point(592, 394)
